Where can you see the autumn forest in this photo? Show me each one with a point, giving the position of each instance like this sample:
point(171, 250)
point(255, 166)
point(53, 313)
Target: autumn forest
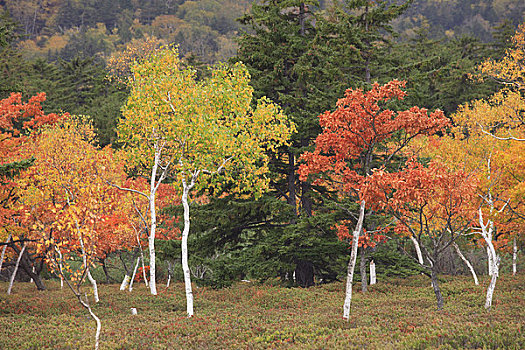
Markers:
point(278, 174)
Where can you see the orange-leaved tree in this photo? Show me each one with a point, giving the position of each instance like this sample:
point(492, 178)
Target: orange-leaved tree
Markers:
point(69, 207)
point(433, 204)
point(205, 134)
point(17, 119)
point(362, 133)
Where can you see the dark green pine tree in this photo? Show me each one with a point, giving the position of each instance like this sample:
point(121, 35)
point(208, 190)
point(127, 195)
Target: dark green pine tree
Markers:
point(12, 65)
point(287, 65)
point(80, 86)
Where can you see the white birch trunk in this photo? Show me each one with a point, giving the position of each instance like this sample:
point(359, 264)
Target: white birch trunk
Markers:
point(418, 250)
point(351, 263)
point(492, 284)
point(142, 260)
point(372, 272)
point(125, 282)
point(486, 232)
point(169, 274)
point(88, 273)
point(3, 251)
point(94, 284)
point(490, 263)
point(134, 273)
point(465, 260)
point(61, 272)
point(151, 247)
point(13, 275)
point(514, 256)
point(184, 245)
point(153, 216)
point(95, 317)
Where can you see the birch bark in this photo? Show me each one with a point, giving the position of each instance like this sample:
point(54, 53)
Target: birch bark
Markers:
point(465, 260)
point(351, 263)
point(134, 273)
point(490, 262)
point(184, 245)
point(418, 250)
point(3, 251)
point(13, 275)
point(125, 282)
point(514, 256)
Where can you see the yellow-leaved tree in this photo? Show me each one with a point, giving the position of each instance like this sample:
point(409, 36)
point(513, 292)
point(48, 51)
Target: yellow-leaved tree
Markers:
point(205, 134)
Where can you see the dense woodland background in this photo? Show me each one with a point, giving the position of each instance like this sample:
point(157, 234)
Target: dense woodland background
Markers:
point(62, 47)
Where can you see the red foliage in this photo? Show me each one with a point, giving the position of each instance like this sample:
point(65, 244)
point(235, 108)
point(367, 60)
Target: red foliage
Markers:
point(360, 133)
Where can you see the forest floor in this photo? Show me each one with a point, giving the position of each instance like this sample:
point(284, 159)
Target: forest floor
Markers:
point(394, 314)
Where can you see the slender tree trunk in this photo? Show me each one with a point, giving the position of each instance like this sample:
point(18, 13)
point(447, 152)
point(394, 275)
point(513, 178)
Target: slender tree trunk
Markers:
point(362, 269)
point(151, 245)
point(351, 263)
point(490, 261)
point(60, 270)
point(169, 273)
point(495, 272)
point(465, 260)
point(106, 272)
point(88, 273)
point(184, 245)
point(3, 251)
point(151, 239)
point(514, 256)
point(418, 250)
point(134, 273)
point(372, 273)
point(13, 275)
point(435, 286)
point(97, 321)
point(291, 184)
point(142, 261)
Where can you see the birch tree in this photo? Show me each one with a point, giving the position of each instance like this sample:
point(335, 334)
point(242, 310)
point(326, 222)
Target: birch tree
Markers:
point(204, 134)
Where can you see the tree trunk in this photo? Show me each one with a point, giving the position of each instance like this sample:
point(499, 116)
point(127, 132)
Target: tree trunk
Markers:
point(490, 261)
point(88, 273)
point(95, 317)
point(372, 273)
point(106, 272)
point(184, 246)
point(291, 184)
point(3, 251)
point(304, 274)
point(418, 250)
point(465, 260)
point(495, 271)
point(153, 216)
point(351, 263)
point(13, 275)
point(170, 272)
point(125, 282)
point(25, 263)
point(514, 256)
point(94, 284)
point(60, 270)
point(151, 247)
point(134, 273)
point(362, 269)
point(142, 261)
point(435, 286)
